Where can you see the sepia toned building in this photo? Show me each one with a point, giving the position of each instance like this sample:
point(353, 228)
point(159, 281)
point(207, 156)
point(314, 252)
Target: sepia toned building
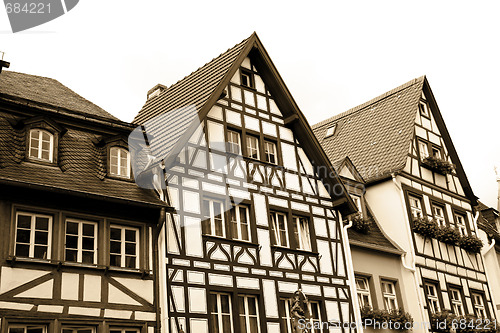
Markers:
point(77, 234)
point(258, 206)
point(417, 191)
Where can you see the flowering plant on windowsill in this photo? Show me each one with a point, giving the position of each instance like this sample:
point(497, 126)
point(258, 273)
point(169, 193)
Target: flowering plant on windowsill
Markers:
point(471, 243)
point(448, 234)
point(441, 322)
point(425, 227)
point(384, 316)
point(439, 165)
point(361, 224)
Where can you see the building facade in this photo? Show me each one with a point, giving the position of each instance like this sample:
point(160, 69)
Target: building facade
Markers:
point(77, 234)
point(258, 205)
point(417, 190)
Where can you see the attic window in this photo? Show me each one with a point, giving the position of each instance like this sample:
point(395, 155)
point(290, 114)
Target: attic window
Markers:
point(41, 145)
point(330, 131)
point(247, 79)
point(119, 165)
point(424, 109)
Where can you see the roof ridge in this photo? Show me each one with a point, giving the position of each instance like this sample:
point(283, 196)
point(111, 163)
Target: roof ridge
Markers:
point(370, 102)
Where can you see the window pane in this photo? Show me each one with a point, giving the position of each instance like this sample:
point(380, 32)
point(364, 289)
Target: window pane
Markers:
point(88, 257)
point(41, 237)
point(226, 324)
point(42, 223)
point(88, 229)
point(72, 228)
point(22, 250)
point(23, 236)
point(115, 260)
point(24, 221)
point(130, 262)
point(115, 234)
point(252, 307)
point(224, 303)
point(40, 252)
point(115, 247)
point(130, 235)
point(71, 255)
point(87, 243)
point(130, 248)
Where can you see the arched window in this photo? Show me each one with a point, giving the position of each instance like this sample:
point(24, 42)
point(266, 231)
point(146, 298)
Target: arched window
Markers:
point(41, 146)
point(119, 162)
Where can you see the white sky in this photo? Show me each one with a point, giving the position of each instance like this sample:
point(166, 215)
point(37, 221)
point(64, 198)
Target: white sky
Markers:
point(333, 55)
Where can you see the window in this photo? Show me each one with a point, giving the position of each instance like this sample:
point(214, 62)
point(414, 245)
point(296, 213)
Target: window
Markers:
point(424, 109)
point(33, 235)
point(214, 223)
point(27, 329)
point(436, 152)
point(270, 151)
point(253, 147)
point(279, 229)
point(456, 301)
point(119, 162)
point(478, 304)
point(330, 131)
point(234, 142)
point(415, 206)
point(240, 222)
point(431, 293)
point(363, 291)
point(423, 149)
point(460, 222)
point(41, 145)
point(357, 201)
point(286, 319)
point(315, 313)
point(220, 313)
point(80, 329)
point(438, 213)
point(247, 79)
point(248, 309)
point(389, 294)
point(301, 233)
point(81, 241)
point(123, 330)
point(124, 246)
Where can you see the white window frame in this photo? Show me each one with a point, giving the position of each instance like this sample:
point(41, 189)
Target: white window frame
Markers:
point(478, 304)
point(441, 219)
point(363, 292)
point(424, 109)
point(357, 202)
point(287, 317)
point(416, 210)
point(123, 242)
point(314, 320)
point(247, 314)
point(76, 329)
point(460, 221)
point(303, 233)
point(80, 239)
point(119, 151)
point(248, 77)
point(123, 330)
point(238, 221)
point(423, 149)
point(253, 146)
point(40, 142)
point(32, 234)
point(212, 217)
point(277, 230)
point(436, 152)
point(231, 135)
point(457, 304)
point(432, 297)
point(389, 295)
point(268, 153)
point(25, 327)
point(219, 312)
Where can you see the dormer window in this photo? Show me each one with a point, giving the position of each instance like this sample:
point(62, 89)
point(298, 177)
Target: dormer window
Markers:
point(41, 145)
point(247, 79)
point(330, 131)
point(119, 162)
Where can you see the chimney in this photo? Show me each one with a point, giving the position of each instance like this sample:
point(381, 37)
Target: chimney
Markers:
point(3, 63)
point(497, 172)
point(156, 90)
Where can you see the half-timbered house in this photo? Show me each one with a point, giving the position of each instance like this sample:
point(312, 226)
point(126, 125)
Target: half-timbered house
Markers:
point(77, 234)
point(258, 205)
point(418, 191)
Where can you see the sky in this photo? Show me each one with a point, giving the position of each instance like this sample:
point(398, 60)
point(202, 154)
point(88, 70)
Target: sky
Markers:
point(332, 55)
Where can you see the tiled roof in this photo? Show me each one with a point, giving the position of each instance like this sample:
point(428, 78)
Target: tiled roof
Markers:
point(375, 135)
point(47, 91)
point(81, 168)
point(486, 220)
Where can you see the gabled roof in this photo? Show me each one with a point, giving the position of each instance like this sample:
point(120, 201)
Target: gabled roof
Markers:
point(43, 91)
point(376, 135)
point(202, 88)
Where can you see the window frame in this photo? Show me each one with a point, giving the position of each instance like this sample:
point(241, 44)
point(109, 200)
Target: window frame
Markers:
point(123, 243)
point(25, 326)
point(250, 75)
point(118, 175)
point(387, 296)
point(363, 292)
point(298, 235)
point(426, 110)
point(250, 149)
point(40, 142)
point(287, 324)
point(75, 328)
point(357, 201)
point(80, 240)
point(444, 217)
point(432, 298)
point(237, 211)
point(460, 302)
point(124, 329)
point(482, 306)
point(246, 313)
point(463, 229)
point(231, 144)
point(219, 314)
point(419, 199)
point(33, 229)
point(277, 232)
point(267, 156)
point(211, 216)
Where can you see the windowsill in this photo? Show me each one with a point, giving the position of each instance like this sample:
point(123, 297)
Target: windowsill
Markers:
point(231, 240)
point(12, 260)
point(130, 180)
point(297, 251)
point(41, 162)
